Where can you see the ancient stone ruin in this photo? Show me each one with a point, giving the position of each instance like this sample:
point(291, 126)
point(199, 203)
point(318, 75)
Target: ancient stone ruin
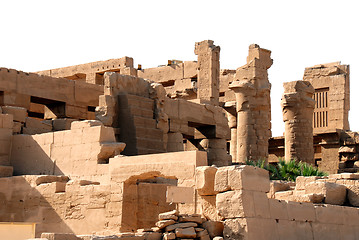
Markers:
point(105, 150)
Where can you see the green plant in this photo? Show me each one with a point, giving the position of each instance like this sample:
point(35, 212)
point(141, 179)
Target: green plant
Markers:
point(287, 171)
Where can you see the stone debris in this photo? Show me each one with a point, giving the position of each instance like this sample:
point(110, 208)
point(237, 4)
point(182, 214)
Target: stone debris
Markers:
point(188, 226)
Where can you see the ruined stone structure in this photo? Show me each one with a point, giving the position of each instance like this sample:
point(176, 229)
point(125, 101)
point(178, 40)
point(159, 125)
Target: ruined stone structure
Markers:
point(298, 106)
point(101, 150)
point(252, 90)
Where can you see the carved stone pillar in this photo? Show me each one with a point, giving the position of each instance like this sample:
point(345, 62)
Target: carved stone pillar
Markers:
point(252, 90)
point(208, 72)
point(298, 106)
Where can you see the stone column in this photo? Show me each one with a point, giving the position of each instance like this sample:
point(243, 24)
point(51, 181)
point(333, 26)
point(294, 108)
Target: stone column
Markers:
point(208, 71)
point(252, 90)
point(298, 106)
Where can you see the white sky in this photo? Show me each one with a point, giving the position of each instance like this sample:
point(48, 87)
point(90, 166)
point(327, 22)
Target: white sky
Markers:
point(39, 35)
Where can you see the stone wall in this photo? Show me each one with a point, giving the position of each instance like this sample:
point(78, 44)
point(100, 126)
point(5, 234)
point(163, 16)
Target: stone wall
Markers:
point(332, 95)
point(63, 97)
point(81, 152)
point(6, 126)
point(93, 72)
point(247, 212)
point(132, 198)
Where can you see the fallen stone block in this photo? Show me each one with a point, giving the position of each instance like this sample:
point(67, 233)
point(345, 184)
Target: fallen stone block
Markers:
point(276, 186)
point(180, 225)
point(169, 236)
point(164, 223)
point(302, 181)
point(185, 232)
point(169, 215)
point(333, 193)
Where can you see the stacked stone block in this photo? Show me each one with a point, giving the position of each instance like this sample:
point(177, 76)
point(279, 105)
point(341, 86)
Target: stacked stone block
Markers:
point(297, 107)
point(252, 90)
point(79, 152)
point(208, 72)
point(248, 213)
point(6, 130)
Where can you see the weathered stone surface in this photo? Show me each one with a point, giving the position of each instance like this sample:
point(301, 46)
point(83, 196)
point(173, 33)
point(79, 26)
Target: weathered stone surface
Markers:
point(214, 228)
point(168, 215)
point(334, 193)
point(241, 177)
point(164, 223)
point(169, 236)
point(205, 180)
point(191, 218)
point(185, 232)
point(298, 107)
point(180, 225)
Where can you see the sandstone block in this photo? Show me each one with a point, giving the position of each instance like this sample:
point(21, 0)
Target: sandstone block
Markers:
point(301, 211)
point(168, 215)
point(329, 214)
point(19, 113)
point(169, 236)
point(352, 176)
point(6, 171)
point(284, 195)
point(185, 232)
point(51, 178)
point(180, 225)
point(295, 230)
point(334, 193)
point(34, 126)
point(221, 179)
point(214, 228)
point(17, 127)
point(276, 186)
point(191, 218)
point(61, 124)
point(278, 209)
point(209, 209)
point(249, 178)
point(235, 204)
point(85, 124)
point(152, 235)
point(301, 182)
point(241, 177)
point(6, 121)
point(205, 177)
point(60, 236)
point(164, 223)
point(309, 198)
point(353, 195)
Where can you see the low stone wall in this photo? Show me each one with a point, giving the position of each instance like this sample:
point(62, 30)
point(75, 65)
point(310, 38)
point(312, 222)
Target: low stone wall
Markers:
point(247, 212)
point(78, 153)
